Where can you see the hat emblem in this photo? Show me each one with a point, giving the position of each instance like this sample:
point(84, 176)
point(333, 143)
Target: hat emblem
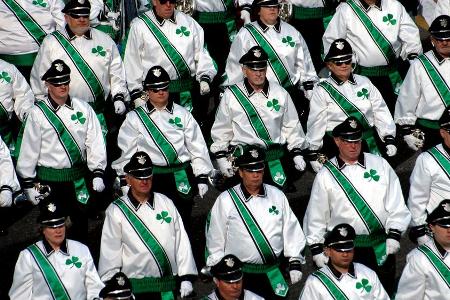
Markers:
point(59, 67)
point(340, 45)
point(51, 207)
point(254, 153)
point(121, 281)
point(443, 22)
point(446, 207)
point(353, 124)
point(229, 262)
point(157, 72)
point(81, 1)
point(343, 231)
point(257, 53)
point(141, 159)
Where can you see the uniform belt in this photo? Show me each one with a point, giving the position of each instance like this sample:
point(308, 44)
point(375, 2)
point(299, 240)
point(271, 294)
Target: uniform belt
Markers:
point(370, 240)
point(23, 60)
point(153, 284)
point(61, 175)
point(432, 124)
point(181, 85)
point(215, 17)
point(377, 71)
point(170, 169)
point(305, 13)
point(258, 268)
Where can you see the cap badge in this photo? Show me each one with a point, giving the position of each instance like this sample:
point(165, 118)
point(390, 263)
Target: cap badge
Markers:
point(254, 153)
point(343, 231)
point(120, 281)
point(59, 67)
point(257, 53)
point(340, 45)
point(157, 72)
point(229, 262)
point(51, 207)
point(443, 22)
point(141, 159)
point(446, 207)
point(353, 124)
point(81, 1)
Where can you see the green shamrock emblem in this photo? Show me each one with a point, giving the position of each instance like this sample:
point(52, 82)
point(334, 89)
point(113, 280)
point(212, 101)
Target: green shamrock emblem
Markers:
point(182, 31)
point(364, 285)
point(280, 288)
point(372, 174)
point(364, 93)
point(390, 19)
point(164, 216)
point(4, 76)
point(176, 121)
point(99, 51)
point(273, 104)
point(274, 210)
point(288, 41)
point(73, 262)
point(39, 3)
point(78, 117)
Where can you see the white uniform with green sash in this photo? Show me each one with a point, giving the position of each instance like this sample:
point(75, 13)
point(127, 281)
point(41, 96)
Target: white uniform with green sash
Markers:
point(425, 91)
point(364, 284)
point(426, 274)
point(67, 274)
point(367, 195)
point(148, 243)
point(333, 101)
point(255, 229)
point(247, 296)
point(58, 144)
point(24, 25)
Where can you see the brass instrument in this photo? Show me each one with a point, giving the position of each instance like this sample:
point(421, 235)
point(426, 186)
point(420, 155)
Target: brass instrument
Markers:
point(186, 6)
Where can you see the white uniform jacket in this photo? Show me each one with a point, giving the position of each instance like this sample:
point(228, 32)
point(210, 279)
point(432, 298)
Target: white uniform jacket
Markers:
point(277, 111)
point(143, 50)
point(369, 287)
point(15, 39)
point(325, 113)
point(420, 279)
point(15, 93)
point(72, 262)
point(247, 296)
point(418, 98)
point(97, 49)
point(210, 5)
point(8, 180)
point(442, 8)
point(41, 146)
point(178, 126)
point(392, 20)
point(289, 45)
point(429, 185)
point(375, 181)
point(226, 232)
point(122, 249)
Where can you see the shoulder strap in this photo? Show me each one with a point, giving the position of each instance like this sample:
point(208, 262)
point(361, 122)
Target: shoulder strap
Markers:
point(436, 78)
point(329, 284)
point(442, 269)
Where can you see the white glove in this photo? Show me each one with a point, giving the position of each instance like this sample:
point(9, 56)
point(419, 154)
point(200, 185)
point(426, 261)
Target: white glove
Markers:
point(391, 150)
point(225, 167)
point(113, 15)
point(33, 195)
point(119, 107)
point(295, 276)
point(202, 189)
point(299, 162)
point(320, 260)
point(392, 246)
point(204, 88)
point(423, 239)
point(98, 185)
point(413, 142)
point(139, 102)
point(315, 165)
point(186, 288)
point(5, 198)
point(245, 16)
point(308, 94)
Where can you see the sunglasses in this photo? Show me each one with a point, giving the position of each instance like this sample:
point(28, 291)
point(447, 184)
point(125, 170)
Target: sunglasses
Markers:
point(77, 16)
point(340, 63)
point(165, 1)
point(59, 84)
point(157, 90)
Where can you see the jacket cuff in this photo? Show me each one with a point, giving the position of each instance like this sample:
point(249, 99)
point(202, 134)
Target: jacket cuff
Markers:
point(98, 173)
point(412, 56)
point(202, 178)
point(118, 97)
point(135, 94)
point(122, 180)
point(27, 183)
point(246, 7)
point(394, 234)
point(389, 140)
point(6, 188)
point(416, 232)
point(188, 277)
point(295, 265)
point(220, 154)
point(308, 85)
point(205, 78)
point(407, 129)
point(316, 248)
point(296, 151)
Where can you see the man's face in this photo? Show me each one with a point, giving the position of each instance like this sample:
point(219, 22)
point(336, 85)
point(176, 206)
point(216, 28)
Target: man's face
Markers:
point(445, 137)
point(442, 235)
point(141, 187)
point(78, 25)
point(229, 291)
point(251, 179)
point(54, 236)
point(340, 259)
point(164, 8)
point(269, 14)
point(256, 78)
point(158, 97)
point(341, 70)
point(58, 92)
point(442, 47)
point(348, 151)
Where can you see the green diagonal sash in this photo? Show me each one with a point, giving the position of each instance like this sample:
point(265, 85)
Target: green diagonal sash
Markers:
point(70, 146)
point(151, 243)
point(275, 167)
point(437, 80)
point(54, 283)
point(351, 110)
point(275, 277)
point(365, 212)
point(84, 69)
point(275, 62)
point(167, 150)
point(27, 21)
point(439, 265)
point(329, 284)
point(441, 159)
point(381, 41)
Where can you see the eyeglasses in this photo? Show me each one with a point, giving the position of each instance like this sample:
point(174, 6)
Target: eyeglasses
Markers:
point(340, 63)
point(165, 1)
point(78, 16)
